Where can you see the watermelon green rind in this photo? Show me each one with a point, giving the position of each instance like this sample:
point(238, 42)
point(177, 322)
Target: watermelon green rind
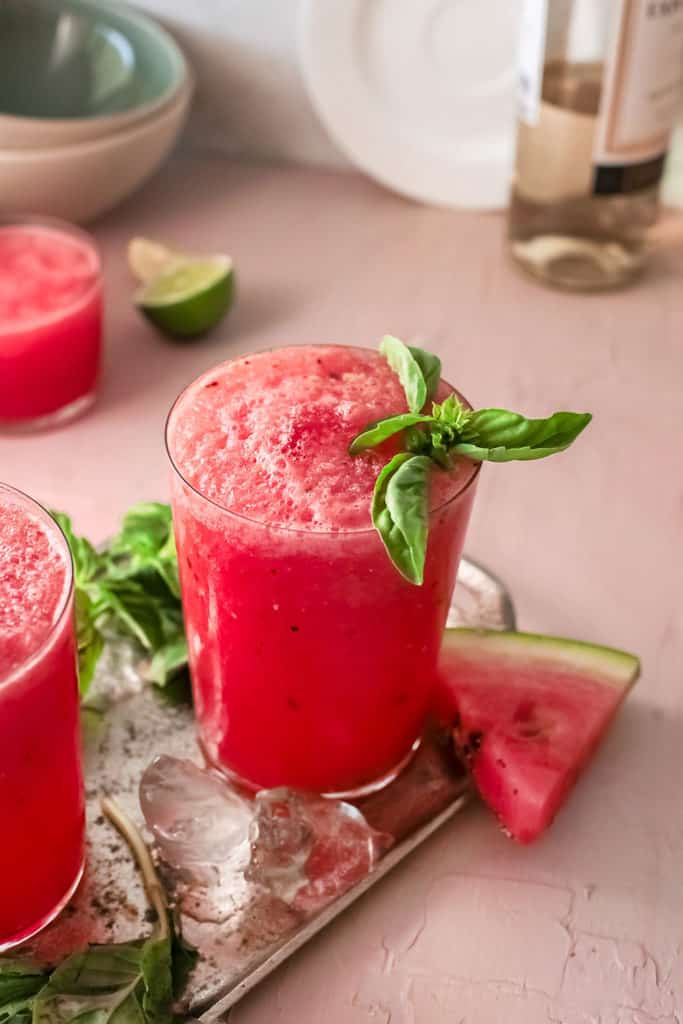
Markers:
point(618, 668)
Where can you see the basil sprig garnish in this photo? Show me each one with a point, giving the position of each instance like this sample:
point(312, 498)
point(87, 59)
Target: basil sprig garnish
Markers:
point(400, 504)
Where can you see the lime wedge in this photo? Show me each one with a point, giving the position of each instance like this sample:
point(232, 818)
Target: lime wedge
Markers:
point(190, 297)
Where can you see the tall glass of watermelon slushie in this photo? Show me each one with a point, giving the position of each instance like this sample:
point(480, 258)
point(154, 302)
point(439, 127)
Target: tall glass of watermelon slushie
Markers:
point(312, 659)
point(41, 782)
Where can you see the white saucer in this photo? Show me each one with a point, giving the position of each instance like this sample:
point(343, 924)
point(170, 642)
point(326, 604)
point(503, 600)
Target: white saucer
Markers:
point(420, 94)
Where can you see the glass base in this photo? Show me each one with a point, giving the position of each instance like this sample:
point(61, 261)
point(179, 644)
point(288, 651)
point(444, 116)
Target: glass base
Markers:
point(32, 930)
point(58, 418)
point(348, 794)
point(377, 784)
point(578, 264)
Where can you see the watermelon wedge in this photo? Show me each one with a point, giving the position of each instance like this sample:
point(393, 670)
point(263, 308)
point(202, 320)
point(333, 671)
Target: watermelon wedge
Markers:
point(527, 712)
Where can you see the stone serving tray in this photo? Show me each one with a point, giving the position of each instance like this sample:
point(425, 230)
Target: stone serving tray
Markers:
point(247, 938)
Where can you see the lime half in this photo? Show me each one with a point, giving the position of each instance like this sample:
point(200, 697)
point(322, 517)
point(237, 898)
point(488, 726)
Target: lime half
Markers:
point(190, 297)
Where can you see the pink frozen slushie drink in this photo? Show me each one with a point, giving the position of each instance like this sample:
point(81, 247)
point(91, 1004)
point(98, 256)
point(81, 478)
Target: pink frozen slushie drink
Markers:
point(41, 783)
point(312, 659)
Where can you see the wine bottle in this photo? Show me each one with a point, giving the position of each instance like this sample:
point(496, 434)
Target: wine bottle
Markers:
point(599, 90)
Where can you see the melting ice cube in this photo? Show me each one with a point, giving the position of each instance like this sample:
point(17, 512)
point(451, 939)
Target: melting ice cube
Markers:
point(201, 828)
point(308, 850)
point(196, 817)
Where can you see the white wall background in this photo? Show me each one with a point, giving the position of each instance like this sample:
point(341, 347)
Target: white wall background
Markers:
point(250, 95)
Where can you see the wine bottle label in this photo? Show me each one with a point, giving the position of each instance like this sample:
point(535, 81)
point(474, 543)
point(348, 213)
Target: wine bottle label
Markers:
point(610, 134)
point(640, 95)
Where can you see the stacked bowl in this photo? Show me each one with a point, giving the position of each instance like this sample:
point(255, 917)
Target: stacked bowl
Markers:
point(93, 95)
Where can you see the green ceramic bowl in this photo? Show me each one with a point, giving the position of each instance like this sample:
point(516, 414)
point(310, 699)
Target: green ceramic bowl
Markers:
point(73, 70)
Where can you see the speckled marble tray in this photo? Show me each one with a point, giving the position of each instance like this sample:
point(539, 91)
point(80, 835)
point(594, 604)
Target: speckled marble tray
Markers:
point(244, 943)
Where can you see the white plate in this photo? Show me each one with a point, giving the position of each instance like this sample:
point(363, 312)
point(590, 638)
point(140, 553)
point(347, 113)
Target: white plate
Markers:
point(418, 93)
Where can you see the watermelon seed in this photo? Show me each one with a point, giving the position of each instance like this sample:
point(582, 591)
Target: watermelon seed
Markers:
point(475, 739)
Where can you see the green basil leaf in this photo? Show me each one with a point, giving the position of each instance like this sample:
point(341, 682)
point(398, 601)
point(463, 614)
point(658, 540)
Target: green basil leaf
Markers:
point(498, 435)
point(89, 640)
point(88, 565)
point(87, 562)
point(167, 569)
point(146, 546)
point(132, 610)
point(431, 369)
point(400, 512)
point(183, 961)
point(104, 984)
point(380, 430)
point(417, 441)
point(168, 548)
point(157, 975)
point(167, 662)
point(407, 501)
point(19, 983)
point(146, 528)
point(409, 372)
point(18, 1012)
point(171, 617)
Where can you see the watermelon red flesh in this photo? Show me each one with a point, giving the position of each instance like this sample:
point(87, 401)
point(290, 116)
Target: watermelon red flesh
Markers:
point(527, 712)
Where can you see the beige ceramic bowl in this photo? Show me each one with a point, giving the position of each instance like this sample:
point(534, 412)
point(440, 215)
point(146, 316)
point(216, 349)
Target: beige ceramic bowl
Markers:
point(81, 181)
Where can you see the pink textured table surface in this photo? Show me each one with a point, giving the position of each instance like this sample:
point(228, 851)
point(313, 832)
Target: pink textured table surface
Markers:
point(587, 926)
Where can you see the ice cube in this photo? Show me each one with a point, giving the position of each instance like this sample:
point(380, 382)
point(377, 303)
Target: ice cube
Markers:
point(201, 827)
point(308, 850)
point(196, 818)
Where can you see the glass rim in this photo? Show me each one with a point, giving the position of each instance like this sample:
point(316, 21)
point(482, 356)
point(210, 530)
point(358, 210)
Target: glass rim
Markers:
point(58, 226)
point(63, 607)
point(264, 524)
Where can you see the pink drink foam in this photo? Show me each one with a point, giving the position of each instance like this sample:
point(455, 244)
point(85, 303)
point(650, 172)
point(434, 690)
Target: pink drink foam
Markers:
point(33, 577)
point(267, 436)
point(41, 272)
